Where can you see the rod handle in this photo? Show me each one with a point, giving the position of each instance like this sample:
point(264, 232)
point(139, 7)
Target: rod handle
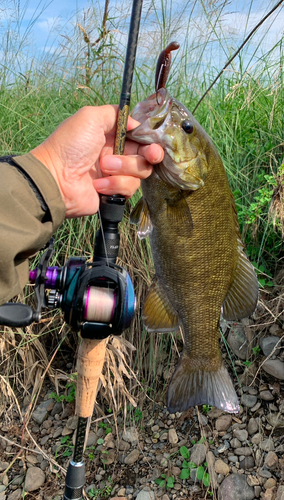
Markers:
point(90, 361)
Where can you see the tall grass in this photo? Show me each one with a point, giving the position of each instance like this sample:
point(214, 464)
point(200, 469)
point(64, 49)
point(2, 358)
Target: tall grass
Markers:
point(243, 114)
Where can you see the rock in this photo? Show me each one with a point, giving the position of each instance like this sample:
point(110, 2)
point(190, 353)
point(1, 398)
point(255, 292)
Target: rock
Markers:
point(257, 438)
point(266, 395)
point(238, 342)
point(235, 487)
point(252, 426)
point(16, 495)
point(270, 483)
point(92, 439)
point(268, 494)
point(264, 473)
point(3, 465)
point(253, 480)
point(123, 446)
point(223, 447)
point(235, 443)
point(267, 345)
point(240, 434)
point(267, 445)
point(35, 478)
point(247, 463)
point(145, 495)
point(172, 436)
point(72, 423)
point(221, 467)
point(249, 400)
point(223, 423)
point(131, 435)
point(41, 412)
point(132, 457)
point(245, 451)
point(121, 492)
point(275, 419)
point(214, 413)
point(280, 493)
point(198, 454)
point(274, 367)
point(271, 460)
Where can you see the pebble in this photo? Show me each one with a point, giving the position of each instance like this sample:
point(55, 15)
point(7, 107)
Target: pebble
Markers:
point(223, 447)
point(131, 435)
point(252, 480)
point(271, 460)
point(223, 423)
point(270, 483)
point(235, 443)
point(280, 493)
point(247, 463)
point(132, 457)
point(245, 451)
point(248, 400)
point(198, 454)
point(257, 438)
point(252, 426)
point(267, 445)
point(266, 395)
point(41, 411)
point(16, 495)
point(35, 478)
point(172, 436)
point(145, 495)
point(238, 342)
point(275, 420)
point(235, 487)
point(240, 434)
point(221, 467)
point(274, 367)
point(264, 473)
point(267, 345)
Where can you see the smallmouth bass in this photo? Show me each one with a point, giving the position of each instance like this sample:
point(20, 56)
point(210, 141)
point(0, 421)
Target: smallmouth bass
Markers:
point(189, 213)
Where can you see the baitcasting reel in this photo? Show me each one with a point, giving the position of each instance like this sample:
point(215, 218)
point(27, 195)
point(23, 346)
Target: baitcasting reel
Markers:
point(97, 298)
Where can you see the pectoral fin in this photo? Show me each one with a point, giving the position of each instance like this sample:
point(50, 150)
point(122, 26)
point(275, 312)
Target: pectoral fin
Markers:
point(179, 216)
point(242, 296)
point(158, 313)
point(140, 215)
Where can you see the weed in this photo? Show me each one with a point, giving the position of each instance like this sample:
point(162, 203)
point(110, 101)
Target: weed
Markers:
point(70, 388)
point(206, 408)
point(188, 466)
point(103, 492)
point(167, 481)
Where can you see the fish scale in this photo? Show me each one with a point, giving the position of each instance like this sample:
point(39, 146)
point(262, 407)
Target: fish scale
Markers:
point(188, 211)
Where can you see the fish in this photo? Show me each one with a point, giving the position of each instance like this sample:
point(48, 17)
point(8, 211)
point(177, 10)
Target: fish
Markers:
point(201, 270)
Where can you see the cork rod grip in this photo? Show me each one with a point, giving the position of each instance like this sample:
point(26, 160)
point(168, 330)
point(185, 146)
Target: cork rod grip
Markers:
point(90, 361)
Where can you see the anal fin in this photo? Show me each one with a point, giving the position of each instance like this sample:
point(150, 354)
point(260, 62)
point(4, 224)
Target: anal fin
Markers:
point(158, 313)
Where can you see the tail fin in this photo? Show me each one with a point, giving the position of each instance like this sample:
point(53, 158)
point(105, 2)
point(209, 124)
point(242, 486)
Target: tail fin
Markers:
point(192, 386)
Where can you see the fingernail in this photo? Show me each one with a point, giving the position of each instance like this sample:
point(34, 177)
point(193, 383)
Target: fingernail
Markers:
point(101, 184)
point(112, 163)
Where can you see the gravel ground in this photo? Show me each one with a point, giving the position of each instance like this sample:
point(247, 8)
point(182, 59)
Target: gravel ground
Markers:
point(244, 453)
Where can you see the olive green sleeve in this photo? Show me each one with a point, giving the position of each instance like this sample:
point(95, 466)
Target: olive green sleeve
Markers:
point(27, 220)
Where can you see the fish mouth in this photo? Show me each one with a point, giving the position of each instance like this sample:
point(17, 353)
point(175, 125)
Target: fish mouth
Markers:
point(152, 114)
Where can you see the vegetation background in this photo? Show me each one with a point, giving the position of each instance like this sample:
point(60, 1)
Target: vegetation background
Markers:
point(243, 114)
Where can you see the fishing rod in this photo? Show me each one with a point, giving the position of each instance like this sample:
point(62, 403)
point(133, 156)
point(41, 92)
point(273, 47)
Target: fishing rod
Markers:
point(97, 298)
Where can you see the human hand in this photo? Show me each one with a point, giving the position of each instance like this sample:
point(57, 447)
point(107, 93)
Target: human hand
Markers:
point(79, 154)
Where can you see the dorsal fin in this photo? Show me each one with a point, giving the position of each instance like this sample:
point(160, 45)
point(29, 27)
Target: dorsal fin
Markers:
point(242, 296)
point(140, 215)
point(158, 313)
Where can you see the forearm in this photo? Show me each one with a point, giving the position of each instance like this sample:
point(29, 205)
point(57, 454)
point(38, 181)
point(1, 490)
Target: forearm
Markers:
point(31, 210)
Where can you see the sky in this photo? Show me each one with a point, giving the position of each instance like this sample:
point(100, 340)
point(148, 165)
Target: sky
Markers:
point(44, 24)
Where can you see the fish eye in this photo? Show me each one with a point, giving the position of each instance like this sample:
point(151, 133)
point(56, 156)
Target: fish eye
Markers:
point(187, 126)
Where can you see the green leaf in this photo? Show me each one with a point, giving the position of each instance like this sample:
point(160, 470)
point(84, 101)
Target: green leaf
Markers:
point(206, 479)
point(170, 482)
point(200, 473)
point(185, 464)
point(160, 482)
point(184, 451)
point(185, 473)
point(100, 441)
